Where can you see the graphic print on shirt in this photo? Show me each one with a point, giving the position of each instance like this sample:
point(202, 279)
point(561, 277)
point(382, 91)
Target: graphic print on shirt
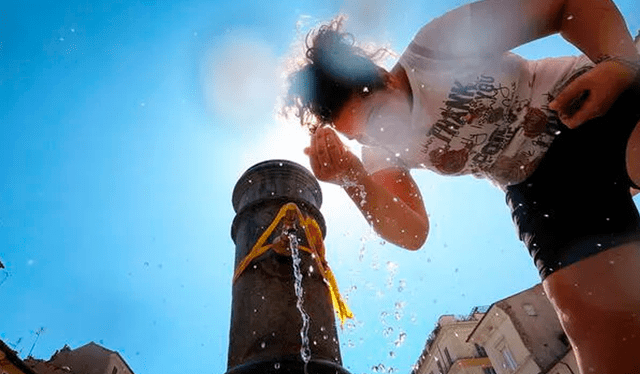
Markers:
point(477, 123)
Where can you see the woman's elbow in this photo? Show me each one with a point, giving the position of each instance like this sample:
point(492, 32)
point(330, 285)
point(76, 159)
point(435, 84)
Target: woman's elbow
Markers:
point(416, 239)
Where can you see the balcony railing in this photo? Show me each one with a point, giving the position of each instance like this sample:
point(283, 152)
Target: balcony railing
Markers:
point(461, 364)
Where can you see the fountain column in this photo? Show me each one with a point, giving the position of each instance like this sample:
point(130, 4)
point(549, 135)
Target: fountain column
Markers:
point(265, 333)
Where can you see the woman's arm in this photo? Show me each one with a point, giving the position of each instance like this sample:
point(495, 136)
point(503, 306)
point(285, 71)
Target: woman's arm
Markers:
point(389, 199)
point(596, 27)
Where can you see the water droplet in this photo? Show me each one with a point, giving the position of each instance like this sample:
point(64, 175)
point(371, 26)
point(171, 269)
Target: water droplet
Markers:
point(61, 39)
point(387, 332)
point(611, 262)
point(382, 129)
point(276, 365)
point(401, 286)
point(570, 17)
point(263, 344)
point(250, 181)
point(280, 164)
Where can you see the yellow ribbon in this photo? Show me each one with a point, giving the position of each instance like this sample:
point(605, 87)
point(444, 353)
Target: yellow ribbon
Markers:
point(316, 248)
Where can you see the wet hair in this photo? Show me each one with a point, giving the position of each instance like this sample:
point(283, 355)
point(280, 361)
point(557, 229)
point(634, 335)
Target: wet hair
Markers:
point(335, 70)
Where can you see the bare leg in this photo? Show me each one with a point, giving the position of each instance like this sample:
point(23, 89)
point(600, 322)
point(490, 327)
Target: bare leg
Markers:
point(598, 303)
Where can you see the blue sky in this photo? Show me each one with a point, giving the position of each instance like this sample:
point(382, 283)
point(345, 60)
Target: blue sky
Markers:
point(124, 128)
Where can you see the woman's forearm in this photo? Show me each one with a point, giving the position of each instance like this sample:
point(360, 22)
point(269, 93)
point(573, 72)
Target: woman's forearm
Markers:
point(391, 217)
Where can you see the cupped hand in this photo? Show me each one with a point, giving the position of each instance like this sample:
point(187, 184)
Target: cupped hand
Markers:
point(592, 94)
point(330, 160)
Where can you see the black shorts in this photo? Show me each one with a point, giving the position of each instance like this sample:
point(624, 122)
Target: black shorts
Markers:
point(577, 202)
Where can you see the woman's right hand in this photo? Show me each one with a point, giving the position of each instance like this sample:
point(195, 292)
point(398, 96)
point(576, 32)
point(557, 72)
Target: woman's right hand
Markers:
point(331, 161)
point(389, 199)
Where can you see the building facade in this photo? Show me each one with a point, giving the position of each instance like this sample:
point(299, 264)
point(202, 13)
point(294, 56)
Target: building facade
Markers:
point(517, 335)
point(448, 351)
point(88, 359)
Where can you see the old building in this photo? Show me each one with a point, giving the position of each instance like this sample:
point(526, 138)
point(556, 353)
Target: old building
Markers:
point(10, 363)
point(522, 334)
point(448, 351)
point(517, 335)
point(88, 359)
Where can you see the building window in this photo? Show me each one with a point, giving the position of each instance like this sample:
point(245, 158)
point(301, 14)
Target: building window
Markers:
point(489, 370)
point(440, 367)
point(114, 371)
point(448, 356)
point(529, 309)
point(564, 339)
point(480, 350)
point(509, 361)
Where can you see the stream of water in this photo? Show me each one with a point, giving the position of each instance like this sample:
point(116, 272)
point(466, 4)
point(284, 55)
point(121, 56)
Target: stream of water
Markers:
point(305, 351)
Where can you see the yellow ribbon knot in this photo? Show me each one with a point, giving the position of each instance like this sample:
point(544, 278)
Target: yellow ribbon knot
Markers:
point(316, 248)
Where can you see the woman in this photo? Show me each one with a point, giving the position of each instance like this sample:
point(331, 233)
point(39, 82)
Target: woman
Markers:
point(559, 136)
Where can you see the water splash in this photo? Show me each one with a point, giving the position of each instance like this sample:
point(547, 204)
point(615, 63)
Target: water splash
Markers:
point(305, 350)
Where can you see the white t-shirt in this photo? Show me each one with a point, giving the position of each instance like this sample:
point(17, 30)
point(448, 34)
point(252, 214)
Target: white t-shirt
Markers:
point(485, 115)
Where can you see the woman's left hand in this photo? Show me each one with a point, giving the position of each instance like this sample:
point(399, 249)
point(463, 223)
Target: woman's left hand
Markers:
point(593, 93)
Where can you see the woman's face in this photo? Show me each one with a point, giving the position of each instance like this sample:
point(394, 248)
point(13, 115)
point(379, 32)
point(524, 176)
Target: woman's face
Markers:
point(359, 112)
